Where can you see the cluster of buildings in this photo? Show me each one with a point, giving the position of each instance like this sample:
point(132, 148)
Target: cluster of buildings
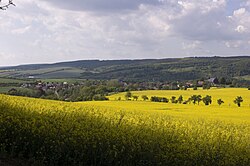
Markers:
point(47, 85)
point(124, 85)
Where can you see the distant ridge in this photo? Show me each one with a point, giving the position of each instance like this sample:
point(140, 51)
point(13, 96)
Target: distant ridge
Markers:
point(168, 69)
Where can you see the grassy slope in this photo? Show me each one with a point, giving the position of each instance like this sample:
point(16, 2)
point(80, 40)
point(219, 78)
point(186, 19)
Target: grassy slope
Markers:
point(10, 83)
point(6, 89)
point(11, 80)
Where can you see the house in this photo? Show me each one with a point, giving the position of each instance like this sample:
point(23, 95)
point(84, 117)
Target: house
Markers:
point(200, 83)
point(213, 80)
point(31, 77)
point(189, 84)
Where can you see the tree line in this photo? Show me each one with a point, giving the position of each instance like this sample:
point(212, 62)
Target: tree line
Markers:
point(195, 99)
point(87, 90)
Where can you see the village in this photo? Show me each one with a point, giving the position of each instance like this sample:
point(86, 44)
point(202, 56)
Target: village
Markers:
point(126, 85)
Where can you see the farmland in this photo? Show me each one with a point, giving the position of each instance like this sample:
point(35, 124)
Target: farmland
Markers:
point(127, 132)
point(181, 69)
point(227, 94)
point(8, 83)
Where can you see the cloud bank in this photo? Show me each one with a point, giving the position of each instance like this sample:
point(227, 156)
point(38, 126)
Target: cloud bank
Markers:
point(48, 31)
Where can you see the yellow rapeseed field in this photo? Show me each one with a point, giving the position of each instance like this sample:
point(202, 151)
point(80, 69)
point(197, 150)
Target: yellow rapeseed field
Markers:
point(228, 111)
point(128, 132)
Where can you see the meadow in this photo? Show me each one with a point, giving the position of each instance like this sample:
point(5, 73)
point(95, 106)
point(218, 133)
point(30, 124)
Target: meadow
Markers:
point(44, 132)
point(8, 83)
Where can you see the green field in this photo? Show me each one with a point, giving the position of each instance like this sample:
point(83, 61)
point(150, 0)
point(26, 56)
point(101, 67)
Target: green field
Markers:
point(13, 81)
point(127, 132)
point(8, 83)
point(60, 80)
point(44, 73)
point(247, 77)
point(6, 89)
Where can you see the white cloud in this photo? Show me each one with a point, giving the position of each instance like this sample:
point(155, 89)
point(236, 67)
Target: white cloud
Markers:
point(21, 30)
point(239, 12)
point(234, 44)
point(42, 32)
point(247, 3)
point(103, 6)
point(192, 45)
point(241, 29)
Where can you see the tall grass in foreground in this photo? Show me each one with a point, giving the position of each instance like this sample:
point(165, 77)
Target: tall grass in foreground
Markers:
point(57, 133)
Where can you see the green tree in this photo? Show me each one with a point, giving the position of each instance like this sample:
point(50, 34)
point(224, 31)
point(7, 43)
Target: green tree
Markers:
point(199, 99)
point(99, 97)
point(155, 99)
point(207, 100)
point(164, 100)
point(173, 99)
point(144, 97)
point(220, 101)
point(238, 100)
point(135, 97)
point(193, 98)
point(180, 99)
point(128, 95)
point(206, 85)
point(222, 80)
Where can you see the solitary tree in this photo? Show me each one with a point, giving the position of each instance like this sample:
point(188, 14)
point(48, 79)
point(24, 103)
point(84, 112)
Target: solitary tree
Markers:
point(220, 101)
point(6, 5)
point(238, 100)
point(207, 100)
point(135, 97)
point(196, 98)
point(128, 95)
point(180, 99)
point(193, 98)
point(144, 97)
point(173, 99)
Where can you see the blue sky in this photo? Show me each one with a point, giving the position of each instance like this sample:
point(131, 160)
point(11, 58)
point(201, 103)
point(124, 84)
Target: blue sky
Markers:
point(45, 31)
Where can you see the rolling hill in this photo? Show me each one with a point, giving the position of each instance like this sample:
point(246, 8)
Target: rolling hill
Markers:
point(137, 70)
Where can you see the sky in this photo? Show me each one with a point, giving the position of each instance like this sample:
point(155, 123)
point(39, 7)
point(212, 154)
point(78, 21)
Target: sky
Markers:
point(47, 31)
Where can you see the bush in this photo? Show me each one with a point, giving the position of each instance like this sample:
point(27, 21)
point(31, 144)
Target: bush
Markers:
point(159, 99)
point(100, 98)
point(220, 101)
point(238, 100)
point(173, 100)
point(207, 100)
point(144, 97)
